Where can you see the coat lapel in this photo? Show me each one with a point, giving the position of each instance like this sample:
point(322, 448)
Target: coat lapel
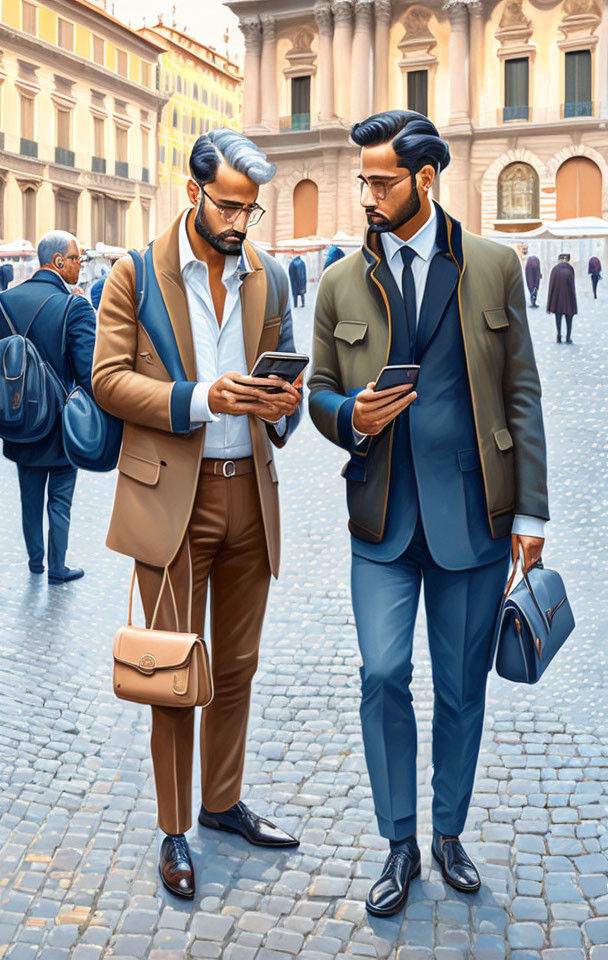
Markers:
point(440, 285)
point(166, 266)
point(253, 304)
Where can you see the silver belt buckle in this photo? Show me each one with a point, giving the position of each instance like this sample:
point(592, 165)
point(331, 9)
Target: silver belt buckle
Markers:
point(229, 468)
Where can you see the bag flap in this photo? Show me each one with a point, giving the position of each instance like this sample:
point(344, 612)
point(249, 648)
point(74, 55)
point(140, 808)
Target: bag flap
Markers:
point(146, 471)
point(504, 440)
point(497, 318)
point(151, 650)
point(14, 358)
point(351, 330)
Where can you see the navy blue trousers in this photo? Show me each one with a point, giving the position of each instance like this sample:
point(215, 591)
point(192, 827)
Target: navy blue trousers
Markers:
point(33, 483)
point(461, 609)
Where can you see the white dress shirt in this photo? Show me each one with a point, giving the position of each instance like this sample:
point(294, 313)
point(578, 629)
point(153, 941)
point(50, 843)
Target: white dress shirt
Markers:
point(424, 243)
point(218, 348)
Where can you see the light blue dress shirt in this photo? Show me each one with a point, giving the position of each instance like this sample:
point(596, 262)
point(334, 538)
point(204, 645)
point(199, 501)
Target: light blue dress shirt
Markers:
point(424, 243)
point(218, 348)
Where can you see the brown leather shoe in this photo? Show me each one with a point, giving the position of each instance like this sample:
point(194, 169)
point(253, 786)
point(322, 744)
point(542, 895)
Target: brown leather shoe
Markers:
point(175, 866)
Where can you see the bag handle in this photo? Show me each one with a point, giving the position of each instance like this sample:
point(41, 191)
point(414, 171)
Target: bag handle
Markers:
point(529, 586)
point(166, 578)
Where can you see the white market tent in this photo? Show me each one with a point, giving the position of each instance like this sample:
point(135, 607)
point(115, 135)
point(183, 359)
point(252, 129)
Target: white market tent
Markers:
point(576, 228)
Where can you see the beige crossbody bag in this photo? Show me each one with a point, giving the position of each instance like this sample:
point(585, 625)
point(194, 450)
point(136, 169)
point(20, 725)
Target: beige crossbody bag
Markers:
point(160, 667)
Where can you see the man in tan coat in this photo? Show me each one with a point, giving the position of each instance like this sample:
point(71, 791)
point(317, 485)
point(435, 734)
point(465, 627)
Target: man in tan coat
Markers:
point(179, 332)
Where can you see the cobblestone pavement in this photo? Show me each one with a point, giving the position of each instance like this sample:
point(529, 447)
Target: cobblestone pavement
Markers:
point(77, 812)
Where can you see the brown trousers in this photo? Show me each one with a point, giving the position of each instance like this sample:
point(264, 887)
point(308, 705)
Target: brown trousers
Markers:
point(226, 543)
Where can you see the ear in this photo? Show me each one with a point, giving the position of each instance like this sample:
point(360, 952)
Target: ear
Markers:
point(58, 261)
point(193, 190)
point(425, 177)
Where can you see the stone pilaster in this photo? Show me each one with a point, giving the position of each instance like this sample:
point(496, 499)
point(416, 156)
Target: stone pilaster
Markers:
point(458, 60)
point(252, 32)
point(322, 10)
point(382, 10)
point(270, 117)
point(343, 45)
point(360, 91)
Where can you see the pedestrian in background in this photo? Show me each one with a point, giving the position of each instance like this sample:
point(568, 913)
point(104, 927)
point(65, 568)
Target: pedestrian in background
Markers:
point(533, 278)
point(297, 278)
point(63, 331)
point(595, 272)
point(561, 299)
point(333, 255)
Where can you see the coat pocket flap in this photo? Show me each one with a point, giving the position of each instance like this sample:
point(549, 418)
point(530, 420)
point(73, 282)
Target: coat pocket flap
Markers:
point(138, 468)
point(351, 330)
point(504, 440)
point(469, 460)
point(355, 469)
point(496, 319)
point(150, 650)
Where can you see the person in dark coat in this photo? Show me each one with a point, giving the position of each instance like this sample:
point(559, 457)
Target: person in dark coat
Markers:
point(7, 275)
point(561, 299)
point(43, 465)
point(533, 278)
point(297, 277)
point(595, 271)
point(333, 254)
point(97, 290)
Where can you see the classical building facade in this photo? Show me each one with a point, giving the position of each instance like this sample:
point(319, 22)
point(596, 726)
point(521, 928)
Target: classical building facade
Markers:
point(205, 88)
point(78, 119)
point(519, 88)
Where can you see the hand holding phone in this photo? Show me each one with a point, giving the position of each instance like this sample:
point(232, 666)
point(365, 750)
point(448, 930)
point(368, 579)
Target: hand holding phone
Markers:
point(395, 375)
point(379, 404)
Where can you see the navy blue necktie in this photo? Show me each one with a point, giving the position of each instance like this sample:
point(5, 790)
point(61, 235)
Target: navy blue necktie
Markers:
point(408, 288)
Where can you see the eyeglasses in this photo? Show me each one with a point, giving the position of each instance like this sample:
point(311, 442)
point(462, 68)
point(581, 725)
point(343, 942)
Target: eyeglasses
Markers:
point(379, 189)
point(76, 256)
point(231, 212)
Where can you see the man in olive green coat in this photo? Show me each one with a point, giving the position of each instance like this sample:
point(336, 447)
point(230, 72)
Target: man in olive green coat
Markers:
point(443, 481)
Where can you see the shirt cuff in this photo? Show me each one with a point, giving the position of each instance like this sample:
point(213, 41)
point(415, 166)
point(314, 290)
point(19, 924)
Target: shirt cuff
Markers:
point(359, 437)
point(279, 425)
point(528, 526)
point(199, 405)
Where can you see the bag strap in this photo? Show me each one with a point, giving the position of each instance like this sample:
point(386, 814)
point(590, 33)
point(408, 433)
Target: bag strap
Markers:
point(64, 322)
point(166, 579)
point(138, 263)
point(43, 304)
point(7, 318)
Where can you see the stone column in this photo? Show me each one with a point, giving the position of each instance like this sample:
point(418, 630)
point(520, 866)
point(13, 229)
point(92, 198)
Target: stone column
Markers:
point(326, 62)
point(381, 54)
point(270, 116)
point(476, 70)
point(343, 44)
point(602, 53)
point(360, 90)
point(252, 33)
point(458, 59)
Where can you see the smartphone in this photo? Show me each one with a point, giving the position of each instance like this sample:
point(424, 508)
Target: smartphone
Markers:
point(398, 375)
point(287, 366)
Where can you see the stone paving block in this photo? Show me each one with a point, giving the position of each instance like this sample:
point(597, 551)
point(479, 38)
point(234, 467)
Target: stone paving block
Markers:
point(209, 926)
point(525, 936)
point(596, 930)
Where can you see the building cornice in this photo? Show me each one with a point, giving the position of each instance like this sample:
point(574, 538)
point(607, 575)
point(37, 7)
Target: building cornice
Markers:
point(97, 19)
point(22, 44)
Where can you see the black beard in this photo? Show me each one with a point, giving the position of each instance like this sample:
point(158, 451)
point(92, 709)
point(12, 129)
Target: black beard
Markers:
point(218, 240)
point(406, 213)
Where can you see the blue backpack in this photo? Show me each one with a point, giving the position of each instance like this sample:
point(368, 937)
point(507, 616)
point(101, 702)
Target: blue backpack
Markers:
point(31, 393)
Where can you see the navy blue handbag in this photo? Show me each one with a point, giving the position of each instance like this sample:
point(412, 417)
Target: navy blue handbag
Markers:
point(535, 621)
point(91, 437)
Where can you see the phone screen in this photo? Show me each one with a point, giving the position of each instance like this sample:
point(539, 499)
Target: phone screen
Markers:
point(397, 376)
point(287, 367)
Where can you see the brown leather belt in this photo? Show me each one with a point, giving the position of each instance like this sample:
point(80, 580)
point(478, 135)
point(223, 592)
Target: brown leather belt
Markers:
point(227, 468)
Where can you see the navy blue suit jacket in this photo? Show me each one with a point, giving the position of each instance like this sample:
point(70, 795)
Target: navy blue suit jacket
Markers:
point(72, 358)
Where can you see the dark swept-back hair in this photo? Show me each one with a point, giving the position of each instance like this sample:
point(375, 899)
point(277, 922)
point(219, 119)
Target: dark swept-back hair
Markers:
point(415, 139)
point(238, 151)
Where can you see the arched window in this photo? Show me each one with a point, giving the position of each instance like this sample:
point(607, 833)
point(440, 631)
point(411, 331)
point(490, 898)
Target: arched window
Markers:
point(305, 208)
point(579, 189)
point(518, 192)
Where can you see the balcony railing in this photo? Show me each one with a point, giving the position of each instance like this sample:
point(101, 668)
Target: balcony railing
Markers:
point(98, 164)
point(521, 112)
point(145, 175)
point(578, 108)
point(297, 121)
point(28, 148)
point(64, 157)
point(121, 169)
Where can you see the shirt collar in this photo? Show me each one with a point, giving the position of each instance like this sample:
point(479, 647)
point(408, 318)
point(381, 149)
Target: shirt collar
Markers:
point(234, 264)
point(422, 242)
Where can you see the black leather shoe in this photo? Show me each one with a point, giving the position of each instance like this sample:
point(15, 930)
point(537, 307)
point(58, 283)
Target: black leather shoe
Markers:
point(175, 866)
point(36, 567)
point(240, 819)
point(75, 573)
point(456, 867)
point(389, 893)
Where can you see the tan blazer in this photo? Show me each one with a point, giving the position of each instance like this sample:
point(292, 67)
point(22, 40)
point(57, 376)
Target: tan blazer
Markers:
point(158, 469)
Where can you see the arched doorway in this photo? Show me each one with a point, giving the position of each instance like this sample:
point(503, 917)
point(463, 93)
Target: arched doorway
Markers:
point(518, 192)
point(305, 208)
point(579, 189)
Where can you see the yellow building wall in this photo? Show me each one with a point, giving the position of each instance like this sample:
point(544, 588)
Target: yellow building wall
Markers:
point(11, 13)
point(47, 24)
point(83, 42)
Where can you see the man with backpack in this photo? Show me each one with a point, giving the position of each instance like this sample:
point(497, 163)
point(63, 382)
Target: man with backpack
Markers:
point(62, 329)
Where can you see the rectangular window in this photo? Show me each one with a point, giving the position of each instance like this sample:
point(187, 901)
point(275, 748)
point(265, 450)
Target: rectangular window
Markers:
point(99, 137)
point(300, 103)
point(122, 144)
point(145, 74)
point(63, 129)
point(192, 124)
point(122, 63)
point(145, 147)
point(145, 222)
point(578, 84)
point(27, 118)
point(162, 154)
point(66, 211)
point(174, 163)
point(179, 83)
point(516, 89)
point(99, 52)
point(418, 91)
point(65, 34)
point(28, 17)
point(29, 214)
